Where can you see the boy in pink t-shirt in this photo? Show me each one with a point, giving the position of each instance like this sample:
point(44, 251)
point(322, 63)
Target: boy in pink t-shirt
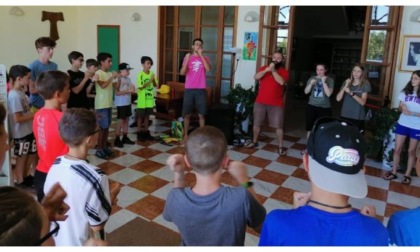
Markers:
point(194, 68)
point(54, 87)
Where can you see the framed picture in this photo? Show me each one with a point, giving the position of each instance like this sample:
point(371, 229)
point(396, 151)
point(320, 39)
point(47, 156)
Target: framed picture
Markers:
point(249, 50)
point(410, 53)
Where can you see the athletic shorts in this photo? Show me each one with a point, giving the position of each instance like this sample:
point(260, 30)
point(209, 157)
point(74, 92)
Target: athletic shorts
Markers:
point(143, 112)
point(123, 112)
point(24, 145)
point(194, 98)
point(405, 131)
point(275, 115)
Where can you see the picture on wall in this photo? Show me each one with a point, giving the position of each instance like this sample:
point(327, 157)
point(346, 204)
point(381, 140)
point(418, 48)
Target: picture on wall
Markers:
point(249, 51)
point(410, 53)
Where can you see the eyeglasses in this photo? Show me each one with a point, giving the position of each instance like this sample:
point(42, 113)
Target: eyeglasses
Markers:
point(96, 131)
point(51, 233)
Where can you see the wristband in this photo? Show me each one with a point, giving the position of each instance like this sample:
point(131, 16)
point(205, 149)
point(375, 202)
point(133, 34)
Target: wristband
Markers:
point(247, 184)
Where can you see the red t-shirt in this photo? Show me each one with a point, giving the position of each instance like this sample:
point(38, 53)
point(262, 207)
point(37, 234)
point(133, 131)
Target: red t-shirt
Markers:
point(48, 140)
point(271, 92)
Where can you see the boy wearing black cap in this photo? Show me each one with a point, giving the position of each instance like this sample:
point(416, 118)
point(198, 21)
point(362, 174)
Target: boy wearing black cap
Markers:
point(334, 162)
point(123, 91)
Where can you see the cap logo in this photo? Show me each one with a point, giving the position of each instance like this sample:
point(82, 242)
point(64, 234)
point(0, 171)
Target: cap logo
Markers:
point(343, 157)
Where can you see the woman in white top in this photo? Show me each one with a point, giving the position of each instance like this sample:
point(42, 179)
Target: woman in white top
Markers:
point(408, 125)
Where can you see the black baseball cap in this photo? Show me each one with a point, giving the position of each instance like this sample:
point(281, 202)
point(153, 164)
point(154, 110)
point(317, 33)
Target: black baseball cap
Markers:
point(124, 66)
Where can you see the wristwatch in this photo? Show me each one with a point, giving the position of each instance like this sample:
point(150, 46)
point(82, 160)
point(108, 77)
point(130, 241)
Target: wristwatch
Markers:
point(247, 184)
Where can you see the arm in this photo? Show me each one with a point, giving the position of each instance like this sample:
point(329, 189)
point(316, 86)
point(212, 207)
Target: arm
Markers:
point(344, 89)
point(261, 73)
point(207, 64)
point(361, 100)
point(79, 87)
point(19, 117)
point(184, 67)
point(327, 90)
point(239, 172)
point(104, 84)
point(152, 80)
point(176, 163)
point(309, 86)
point(278, 78)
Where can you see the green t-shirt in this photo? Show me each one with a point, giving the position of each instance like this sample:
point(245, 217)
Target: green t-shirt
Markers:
point(318, 98)
point(145, 97)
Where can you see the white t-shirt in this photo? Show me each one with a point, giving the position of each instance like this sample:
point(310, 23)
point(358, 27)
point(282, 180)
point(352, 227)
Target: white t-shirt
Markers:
point(413, 104)
point(88, 197)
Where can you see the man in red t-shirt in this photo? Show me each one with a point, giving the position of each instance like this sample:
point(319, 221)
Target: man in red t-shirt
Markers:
point(270, 100)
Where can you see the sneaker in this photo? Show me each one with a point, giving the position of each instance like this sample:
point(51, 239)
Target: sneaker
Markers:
point(101, 154)
point(28, 181)
point(147, 136)
point(140, 136)
point(108, 152)
point(118, 143)
point(126, 140)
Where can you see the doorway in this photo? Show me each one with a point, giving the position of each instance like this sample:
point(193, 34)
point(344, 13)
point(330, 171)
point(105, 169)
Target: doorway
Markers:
point(332, 35)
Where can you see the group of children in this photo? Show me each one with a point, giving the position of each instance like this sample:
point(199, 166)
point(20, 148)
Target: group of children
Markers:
point(98, 88)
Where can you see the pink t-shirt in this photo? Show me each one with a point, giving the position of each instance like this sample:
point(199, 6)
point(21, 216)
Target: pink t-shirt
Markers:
point(195, 77)
point(48, 140)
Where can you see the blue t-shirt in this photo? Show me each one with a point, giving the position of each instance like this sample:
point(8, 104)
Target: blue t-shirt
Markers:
point(404, 228)
point(37, 67)
point(309, 226)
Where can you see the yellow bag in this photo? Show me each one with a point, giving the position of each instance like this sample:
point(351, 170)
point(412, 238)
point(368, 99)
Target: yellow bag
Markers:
point(164, 89)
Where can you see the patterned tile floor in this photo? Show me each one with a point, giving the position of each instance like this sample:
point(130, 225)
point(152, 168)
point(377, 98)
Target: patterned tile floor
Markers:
point(147, 180)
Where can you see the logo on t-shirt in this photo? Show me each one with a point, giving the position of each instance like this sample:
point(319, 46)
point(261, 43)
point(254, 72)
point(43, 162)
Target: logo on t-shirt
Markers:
point(196, 65)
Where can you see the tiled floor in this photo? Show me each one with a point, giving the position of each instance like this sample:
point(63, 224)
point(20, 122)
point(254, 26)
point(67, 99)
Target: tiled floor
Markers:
point(147, 180)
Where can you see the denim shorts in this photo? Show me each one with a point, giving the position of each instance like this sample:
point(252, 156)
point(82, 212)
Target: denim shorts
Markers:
point(405, 131)
point(103, 117)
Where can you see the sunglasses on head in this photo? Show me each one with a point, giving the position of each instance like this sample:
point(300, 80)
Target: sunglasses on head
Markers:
point(51, 233)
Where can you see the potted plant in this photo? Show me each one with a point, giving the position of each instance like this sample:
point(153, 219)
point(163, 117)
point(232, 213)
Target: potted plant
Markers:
point(381, 141)
point(243, 100)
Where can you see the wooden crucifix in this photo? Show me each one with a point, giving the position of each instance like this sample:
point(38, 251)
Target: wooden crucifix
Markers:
point(53, 17)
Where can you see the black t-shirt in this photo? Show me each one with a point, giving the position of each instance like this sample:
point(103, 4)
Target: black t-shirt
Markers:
point(79, 100)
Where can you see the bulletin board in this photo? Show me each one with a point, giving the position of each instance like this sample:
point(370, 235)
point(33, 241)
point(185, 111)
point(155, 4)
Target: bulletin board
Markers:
point(109, 41)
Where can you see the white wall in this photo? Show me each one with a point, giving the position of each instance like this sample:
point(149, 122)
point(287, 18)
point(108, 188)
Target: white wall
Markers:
point(78, 32)
point(407, 28)
point(246, 68)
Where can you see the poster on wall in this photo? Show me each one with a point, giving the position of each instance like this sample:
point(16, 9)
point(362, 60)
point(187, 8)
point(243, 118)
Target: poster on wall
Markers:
point(410, 53)
point(249, 51)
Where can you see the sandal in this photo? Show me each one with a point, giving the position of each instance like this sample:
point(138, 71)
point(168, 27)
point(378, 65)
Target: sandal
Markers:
point(251, 144)
point(282, 152)
point(390, 176)
point(406, 180)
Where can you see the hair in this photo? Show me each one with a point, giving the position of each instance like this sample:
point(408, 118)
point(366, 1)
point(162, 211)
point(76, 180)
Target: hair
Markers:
point(75, 125)
point(321, 64)
point(146, 58)
point(3, 113)
point(20, 217)
point(205, 149)
point(102, 57)
point(198, 39)
point(363, 78)
point(74, 55)
point(408, 89)
point(44, 41)
point(91, 62)
point(49, 82)
point(18, 71)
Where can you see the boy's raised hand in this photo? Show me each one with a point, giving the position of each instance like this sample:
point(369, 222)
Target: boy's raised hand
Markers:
point(176, 163)
point(115, 74)
point(238, 171)
point(53, 203)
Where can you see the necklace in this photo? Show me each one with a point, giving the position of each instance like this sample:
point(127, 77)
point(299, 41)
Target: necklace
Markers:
point(325, 205)
point(75, 157)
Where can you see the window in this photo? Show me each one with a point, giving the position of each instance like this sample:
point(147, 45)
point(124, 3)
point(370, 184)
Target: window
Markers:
point(215, 25)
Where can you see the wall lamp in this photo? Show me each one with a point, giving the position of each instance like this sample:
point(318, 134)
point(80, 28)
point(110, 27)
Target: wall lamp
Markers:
point(251, 16)
point(415, 17)
point(135, 17)
point(16, 11)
